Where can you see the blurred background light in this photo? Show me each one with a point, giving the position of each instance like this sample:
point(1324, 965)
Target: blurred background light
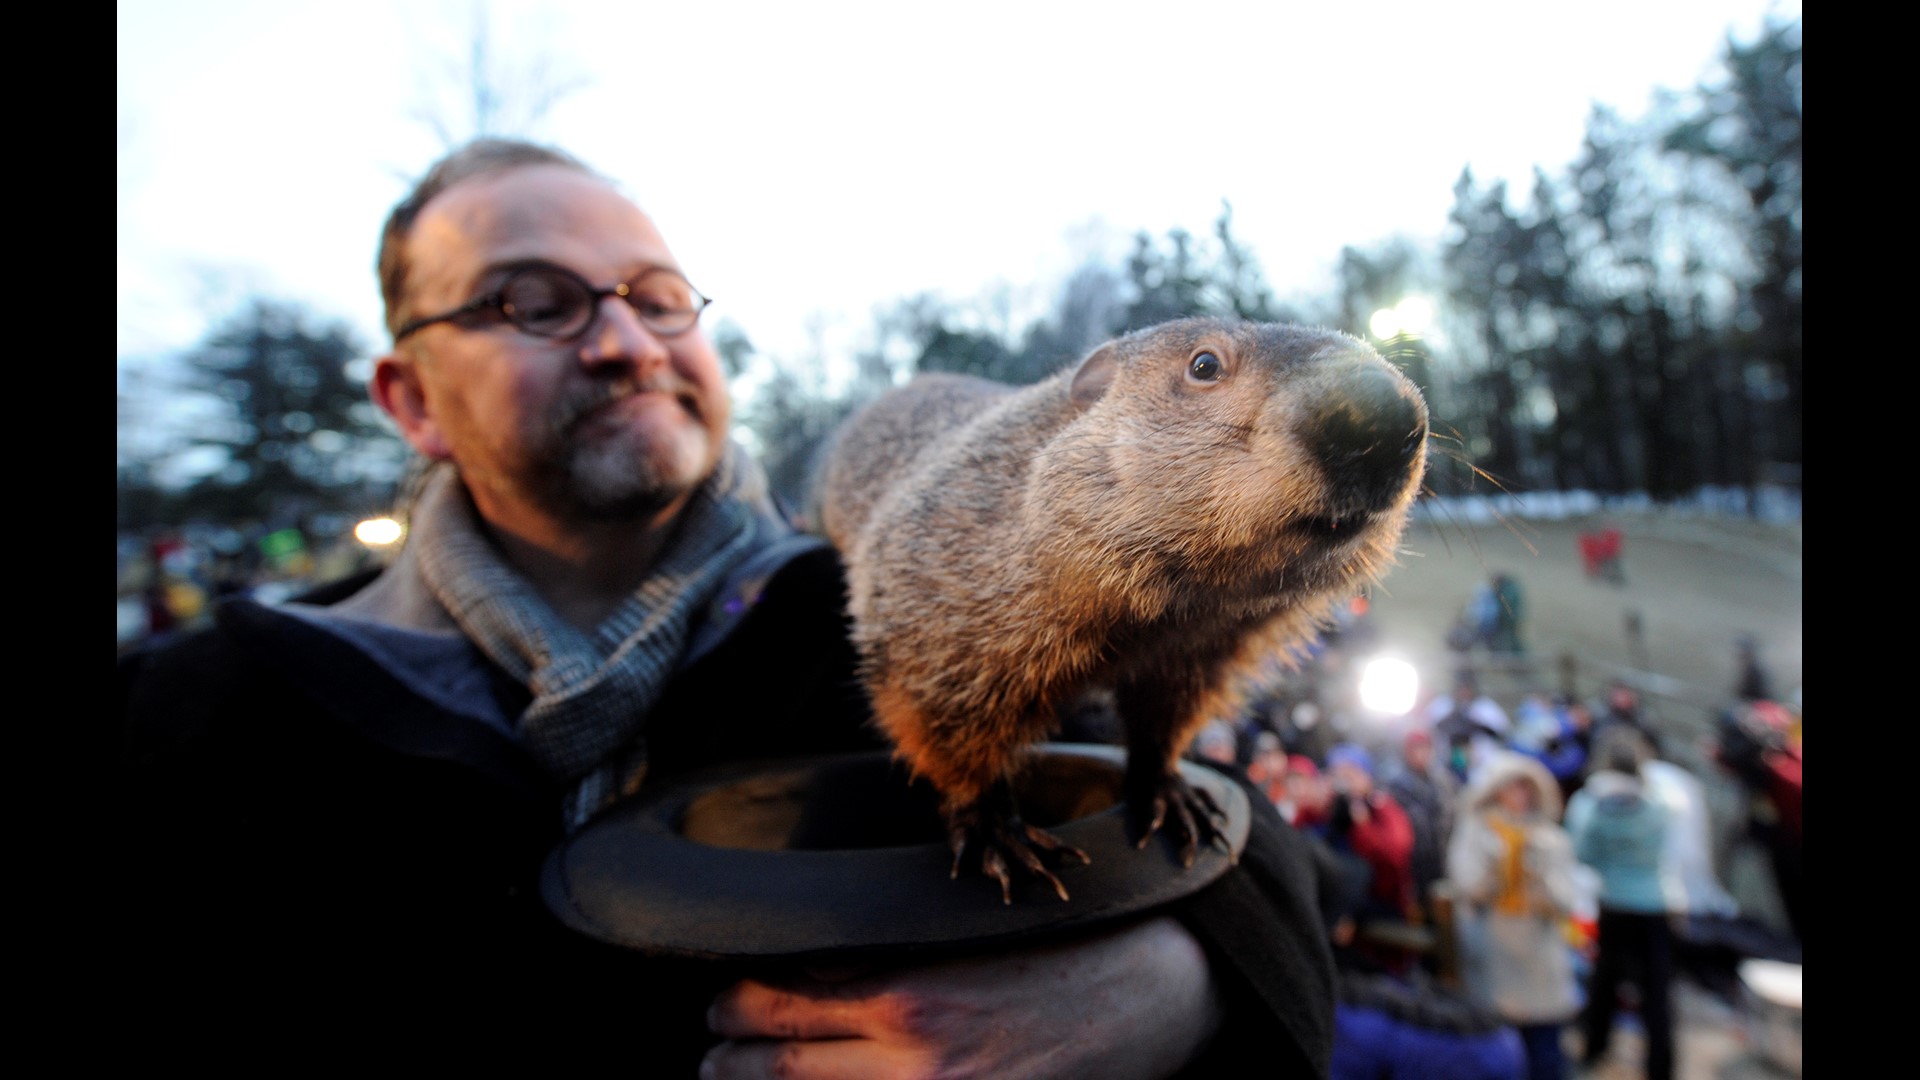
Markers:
point(1412, 316)
point(1389, 685)
point(378, 532)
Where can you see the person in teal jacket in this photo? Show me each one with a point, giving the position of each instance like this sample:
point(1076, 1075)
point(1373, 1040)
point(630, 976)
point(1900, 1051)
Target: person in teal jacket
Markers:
point(1620, 830)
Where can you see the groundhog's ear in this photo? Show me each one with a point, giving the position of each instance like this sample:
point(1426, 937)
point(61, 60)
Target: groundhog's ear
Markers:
point(1096, 372)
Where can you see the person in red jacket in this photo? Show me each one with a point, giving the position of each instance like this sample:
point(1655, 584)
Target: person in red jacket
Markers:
point(1369, 823)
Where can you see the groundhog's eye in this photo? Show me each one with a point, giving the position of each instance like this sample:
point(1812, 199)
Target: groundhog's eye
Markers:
point(1206, 367)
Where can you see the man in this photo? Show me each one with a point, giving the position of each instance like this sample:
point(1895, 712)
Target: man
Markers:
point(1310, 794)
point(1427, 793)
point(335, 810)
point(1509, 619)
point(1267, 769)
point(1754, 682)
point(1758, 744)
point(1368, 822)
point(1619, 828)
point(1620, 706)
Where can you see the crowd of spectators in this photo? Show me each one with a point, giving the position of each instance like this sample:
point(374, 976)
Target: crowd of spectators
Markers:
point(1496, 877)
point(1509, 881)
point(168, 580)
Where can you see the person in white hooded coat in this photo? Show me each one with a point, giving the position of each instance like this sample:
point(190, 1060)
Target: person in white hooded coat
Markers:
point(1514, 881)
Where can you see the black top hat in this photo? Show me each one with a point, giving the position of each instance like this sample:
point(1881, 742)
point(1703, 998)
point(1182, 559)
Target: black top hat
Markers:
point(844, 854)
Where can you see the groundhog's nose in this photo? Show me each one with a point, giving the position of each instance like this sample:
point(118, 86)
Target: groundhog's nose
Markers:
point(1369, 430)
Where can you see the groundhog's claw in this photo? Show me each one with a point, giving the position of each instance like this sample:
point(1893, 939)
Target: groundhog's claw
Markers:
point(1195, 816)
point(997, 837)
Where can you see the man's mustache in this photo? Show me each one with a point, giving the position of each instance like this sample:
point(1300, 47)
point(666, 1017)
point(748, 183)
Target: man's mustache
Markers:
point(599, 395)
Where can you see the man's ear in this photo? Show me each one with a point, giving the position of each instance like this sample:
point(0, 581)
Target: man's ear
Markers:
point(396, 388)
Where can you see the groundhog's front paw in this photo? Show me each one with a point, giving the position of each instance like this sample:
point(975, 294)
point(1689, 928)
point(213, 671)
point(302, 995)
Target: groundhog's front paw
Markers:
point(1188, 814)
point(991, 829)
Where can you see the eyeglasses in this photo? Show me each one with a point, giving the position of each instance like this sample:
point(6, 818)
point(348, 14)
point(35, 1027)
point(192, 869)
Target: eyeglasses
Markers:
point(554, 302)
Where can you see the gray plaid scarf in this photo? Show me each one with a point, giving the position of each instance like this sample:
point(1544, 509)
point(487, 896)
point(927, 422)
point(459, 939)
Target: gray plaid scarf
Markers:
point(591, 692)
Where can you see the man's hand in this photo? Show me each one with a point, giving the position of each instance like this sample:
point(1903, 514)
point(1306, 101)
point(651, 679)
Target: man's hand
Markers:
point(1132, 1004)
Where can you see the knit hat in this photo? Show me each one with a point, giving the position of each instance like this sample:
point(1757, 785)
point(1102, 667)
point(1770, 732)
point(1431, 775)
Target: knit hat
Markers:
point(1350, 754)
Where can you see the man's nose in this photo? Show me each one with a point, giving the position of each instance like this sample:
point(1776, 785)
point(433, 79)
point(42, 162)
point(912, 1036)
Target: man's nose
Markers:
point(618, 336)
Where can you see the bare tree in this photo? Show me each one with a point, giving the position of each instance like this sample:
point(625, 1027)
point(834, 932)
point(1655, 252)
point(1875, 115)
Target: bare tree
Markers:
point(490, 89)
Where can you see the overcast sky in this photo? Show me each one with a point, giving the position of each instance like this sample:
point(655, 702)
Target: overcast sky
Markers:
point(811, 161)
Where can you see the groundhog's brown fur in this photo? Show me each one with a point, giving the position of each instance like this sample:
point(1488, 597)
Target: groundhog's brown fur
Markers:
point(1187, 501)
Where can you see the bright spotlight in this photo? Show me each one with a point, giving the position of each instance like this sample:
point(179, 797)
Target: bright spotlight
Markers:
point(378, 532)
point(1415, 315)
point(1411, 317)
point(1389, 686)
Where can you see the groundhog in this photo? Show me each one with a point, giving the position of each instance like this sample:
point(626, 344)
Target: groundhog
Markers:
point(1186, 501)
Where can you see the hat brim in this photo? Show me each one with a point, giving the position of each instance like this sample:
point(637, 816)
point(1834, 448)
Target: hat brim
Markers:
point(842, 854)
